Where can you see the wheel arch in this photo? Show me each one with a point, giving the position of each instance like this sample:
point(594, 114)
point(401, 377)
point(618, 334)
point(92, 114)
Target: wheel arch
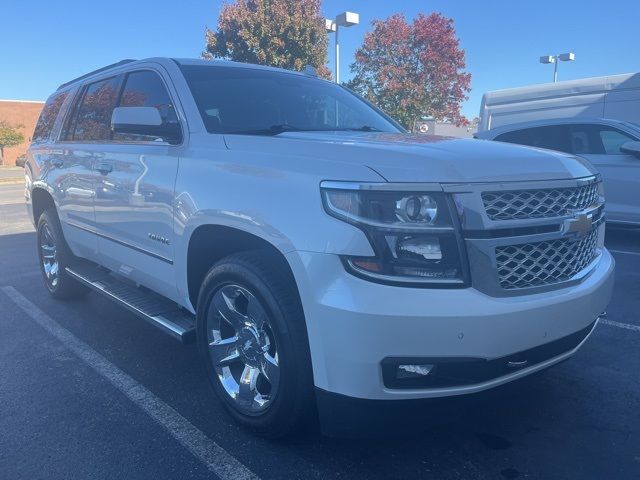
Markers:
point(41, 200)
point(210, 243)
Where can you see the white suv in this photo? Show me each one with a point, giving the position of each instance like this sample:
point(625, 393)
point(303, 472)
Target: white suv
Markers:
point(321, 257)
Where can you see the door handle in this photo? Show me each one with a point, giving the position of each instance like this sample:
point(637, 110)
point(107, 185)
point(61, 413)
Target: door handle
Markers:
point(104, 168)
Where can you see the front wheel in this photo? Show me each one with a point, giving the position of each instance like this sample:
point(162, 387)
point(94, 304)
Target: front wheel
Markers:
point(253, 342)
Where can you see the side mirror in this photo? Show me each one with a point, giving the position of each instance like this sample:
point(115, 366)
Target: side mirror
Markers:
point(144, 121)
point(631, 148)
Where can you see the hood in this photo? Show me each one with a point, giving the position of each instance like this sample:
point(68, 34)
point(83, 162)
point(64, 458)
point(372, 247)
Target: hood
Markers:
point(422, 158)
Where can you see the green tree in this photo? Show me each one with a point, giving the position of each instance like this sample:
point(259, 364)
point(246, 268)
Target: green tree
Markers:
point(413, 69)
point(279, 33)
point(9, 137)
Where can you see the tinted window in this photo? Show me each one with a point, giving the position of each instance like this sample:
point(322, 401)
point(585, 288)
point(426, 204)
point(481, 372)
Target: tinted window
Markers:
point(554, 137)
point(613, 139)
point(252, 101)
point(146, 89)
point(93, 122)
point(584, 139)
point(48, 117)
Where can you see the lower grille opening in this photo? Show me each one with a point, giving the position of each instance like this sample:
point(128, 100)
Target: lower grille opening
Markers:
point(460, 371)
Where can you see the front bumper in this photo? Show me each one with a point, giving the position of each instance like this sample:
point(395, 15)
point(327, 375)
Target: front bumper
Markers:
point(354, 324)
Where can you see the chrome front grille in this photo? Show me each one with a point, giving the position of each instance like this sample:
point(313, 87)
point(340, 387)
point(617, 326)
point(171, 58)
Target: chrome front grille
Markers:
point(544, 263)
point(529, 237)
point(539, 203)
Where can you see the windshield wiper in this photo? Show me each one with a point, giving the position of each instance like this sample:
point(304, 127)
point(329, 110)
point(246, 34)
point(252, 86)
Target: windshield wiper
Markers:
point(285, 127)
point(272, 130)
point(363, 128)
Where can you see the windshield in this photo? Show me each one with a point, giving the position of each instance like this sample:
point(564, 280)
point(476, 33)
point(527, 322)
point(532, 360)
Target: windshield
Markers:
point(261, 102)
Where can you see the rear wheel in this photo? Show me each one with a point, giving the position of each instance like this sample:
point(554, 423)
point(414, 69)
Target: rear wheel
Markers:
point(252, 338)
point(55, 256)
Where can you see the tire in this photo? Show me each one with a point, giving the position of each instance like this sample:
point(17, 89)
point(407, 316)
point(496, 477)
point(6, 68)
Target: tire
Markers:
point(259, 297)
point(54, 257)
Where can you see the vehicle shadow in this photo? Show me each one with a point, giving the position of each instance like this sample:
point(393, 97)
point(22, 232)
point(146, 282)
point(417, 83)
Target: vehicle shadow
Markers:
point(471, 436)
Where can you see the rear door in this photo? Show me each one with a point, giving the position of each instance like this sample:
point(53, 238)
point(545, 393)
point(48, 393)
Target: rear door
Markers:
point(86, 128)
point(135, 190)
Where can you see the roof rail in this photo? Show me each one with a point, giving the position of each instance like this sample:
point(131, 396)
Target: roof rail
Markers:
point(113, 65)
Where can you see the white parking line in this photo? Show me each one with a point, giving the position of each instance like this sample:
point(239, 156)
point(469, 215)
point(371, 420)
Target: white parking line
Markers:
point(202, 447)
point(627, 326)
point(624, 252)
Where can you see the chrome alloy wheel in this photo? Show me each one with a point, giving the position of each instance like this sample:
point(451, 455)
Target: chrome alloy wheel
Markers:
point(242, 348)
point(49, 256)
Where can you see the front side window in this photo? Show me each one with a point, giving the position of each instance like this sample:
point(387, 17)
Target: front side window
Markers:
point(146, 89)
point(238, 100)
point(613, 139)
point(48, 117)
point(93, 121)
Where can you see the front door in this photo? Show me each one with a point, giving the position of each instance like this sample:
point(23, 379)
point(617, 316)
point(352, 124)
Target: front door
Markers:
point(600, 144)
point(135, 190)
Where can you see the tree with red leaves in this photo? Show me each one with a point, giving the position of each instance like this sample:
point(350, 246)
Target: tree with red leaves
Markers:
point(279, 33)
point(413, 70)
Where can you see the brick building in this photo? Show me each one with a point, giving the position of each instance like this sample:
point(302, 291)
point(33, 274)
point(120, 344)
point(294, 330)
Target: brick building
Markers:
point(22, 112)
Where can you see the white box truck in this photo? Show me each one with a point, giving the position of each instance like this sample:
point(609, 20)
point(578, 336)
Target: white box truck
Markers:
point(615, 96)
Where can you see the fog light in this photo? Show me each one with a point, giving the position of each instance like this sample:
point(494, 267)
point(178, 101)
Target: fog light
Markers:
point(412, 371)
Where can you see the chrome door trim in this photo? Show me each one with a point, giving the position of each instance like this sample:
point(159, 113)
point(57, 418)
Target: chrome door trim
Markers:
point(120, 242)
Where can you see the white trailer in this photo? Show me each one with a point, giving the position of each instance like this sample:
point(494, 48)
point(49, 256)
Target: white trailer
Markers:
point(614, 96)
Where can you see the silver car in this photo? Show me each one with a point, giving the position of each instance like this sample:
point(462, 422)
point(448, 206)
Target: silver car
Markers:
point(612, 146)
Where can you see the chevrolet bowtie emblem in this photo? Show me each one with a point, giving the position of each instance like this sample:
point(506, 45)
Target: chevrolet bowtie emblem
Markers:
point(579, 226)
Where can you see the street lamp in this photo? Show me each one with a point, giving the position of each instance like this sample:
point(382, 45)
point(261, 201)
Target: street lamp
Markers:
point(345, 19)
point(563, 57)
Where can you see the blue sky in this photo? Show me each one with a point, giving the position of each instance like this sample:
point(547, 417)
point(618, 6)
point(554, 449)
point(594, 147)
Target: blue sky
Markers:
point(45, 43)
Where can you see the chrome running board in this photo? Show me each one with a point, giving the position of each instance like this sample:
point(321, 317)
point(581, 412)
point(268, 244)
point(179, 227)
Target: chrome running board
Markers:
point(155, 309)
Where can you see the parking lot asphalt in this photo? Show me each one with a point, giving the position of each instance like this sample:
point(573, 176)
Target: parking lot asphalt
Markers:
point(87, 390)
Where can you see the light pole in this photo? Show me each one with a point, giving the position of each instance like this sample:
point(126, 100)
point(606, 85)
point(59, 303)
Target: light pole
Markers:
point(345, 19)
point(563, 57)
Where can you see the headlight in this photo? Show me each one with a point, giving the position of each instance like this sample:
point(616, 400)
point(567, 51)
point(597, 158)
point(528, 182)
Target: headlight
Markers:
point(412, 232)
point(417, 209)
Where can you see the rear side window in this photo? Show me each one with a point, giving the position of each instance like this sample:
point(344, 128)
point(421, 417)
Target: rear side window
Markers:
point(146, 89)
point(554, 137)
point(93, 120)
point(48, 117)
